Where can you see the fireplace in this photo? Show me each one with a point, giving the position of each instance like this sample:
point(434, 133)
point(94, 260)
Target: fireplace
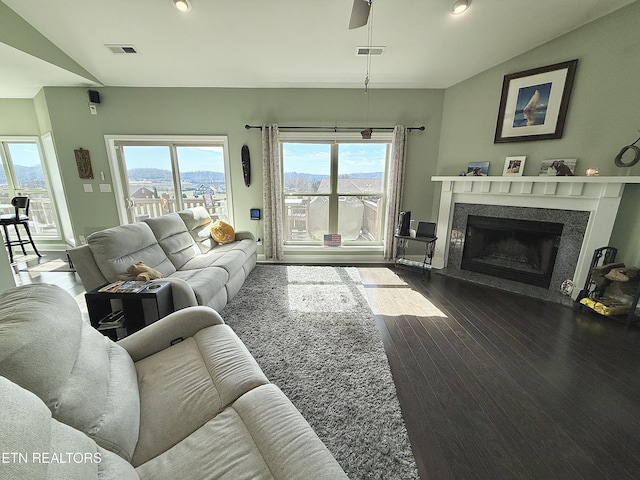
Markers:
point(586, 206)
point(555, 262)
point(519, 250)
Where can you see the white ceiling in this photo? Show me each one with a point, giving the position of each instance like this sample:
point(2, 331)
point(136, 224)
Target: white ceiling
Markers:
point(284, 43)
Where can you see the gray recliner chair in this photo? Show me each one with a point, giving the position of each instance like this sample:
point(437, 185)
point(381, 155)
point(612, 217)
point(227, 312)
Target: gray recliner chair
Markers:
point(182, 398)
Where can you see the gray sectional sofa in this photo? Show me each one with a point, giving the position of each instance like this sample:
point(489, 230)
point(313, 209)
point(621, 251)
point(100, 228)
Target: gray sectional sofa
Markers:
point(181, 398)
point(179, 245)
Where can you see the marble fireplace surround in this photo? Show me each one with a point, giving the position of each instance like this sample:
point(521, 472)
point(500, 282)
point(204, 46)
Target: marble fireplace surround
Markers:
point(587, 206)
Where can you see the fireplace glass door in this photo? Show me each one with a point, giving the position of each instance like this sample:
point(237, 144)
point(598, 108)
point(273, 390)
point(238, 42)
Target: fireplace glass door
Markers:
point(520, 250)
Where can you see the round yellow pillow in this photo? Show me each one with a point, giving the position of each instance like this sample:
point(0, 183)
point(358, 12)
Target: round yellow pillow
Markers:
point(222, 232)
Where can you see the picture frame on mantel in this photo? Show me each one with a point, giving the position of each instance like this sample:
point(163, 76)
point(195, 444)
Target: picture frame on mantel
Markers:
point(478, 169)
point(534, 103)
point(513, 166)
point(558, 167)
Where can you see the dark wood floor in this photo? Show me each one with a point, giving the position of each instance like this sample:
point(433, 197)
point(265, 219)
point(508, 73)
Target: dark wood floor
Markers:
point(494, 385)
point(66, 280)
point(499, 386)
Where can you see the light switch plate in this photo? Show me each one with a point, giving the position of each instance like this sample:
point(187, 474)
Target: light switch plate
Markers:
point(105, 187)
point(88, 188)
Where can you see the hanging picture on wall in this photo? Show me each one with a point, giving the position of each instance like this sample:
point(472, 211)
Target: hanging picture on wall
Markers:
point(534, 103)
point(478, 169)
point(513, 166)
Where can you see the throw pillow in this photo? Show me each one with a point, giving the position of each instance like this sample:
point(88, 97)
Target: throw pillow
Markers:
point(222, 232)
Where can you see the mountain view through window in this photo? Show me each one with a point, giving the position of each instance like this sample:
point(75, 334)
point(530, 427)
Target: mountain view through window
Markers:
point(334, 188)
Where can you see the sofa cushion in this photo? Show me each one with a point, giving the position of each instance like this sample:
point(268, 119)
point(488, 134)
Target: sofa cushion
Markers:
point(246, 246)
point(197, 377)
point(231, 257)
point(87, 381)
point(198, 223)
point(49, 449)
point(174, 238)
point(116, 249)
point(230, 260)
point(205, 282)
point(260, 436)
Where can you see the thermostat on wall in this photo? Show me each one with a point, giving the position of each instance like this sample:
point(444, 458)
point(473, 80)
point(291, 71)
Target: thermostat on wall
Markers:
point(255, 214)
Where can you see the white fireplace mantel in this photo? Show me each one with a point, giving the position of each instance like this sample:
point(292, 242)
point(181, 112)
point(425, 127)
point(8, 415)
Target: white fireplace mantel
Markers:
point(598, 195)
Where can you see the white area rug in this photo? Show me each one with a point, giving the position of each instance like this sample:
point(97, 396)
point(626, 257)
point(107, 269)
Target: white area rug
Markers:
point(313, 333)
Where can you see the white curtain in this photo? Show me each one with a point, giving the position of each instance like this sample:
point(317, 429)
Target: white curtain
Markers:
point(394, 188)
point(272, 193)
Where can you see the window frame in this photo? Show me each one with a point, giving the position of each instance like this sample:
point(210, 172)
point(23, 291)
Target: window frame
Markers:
point(119, 176)
point(52, 192)
point(335, 139)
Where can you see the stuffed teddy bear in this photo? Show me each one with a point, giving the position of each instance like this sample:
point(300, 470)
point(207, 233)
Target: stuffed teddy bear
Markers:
point(143, 272)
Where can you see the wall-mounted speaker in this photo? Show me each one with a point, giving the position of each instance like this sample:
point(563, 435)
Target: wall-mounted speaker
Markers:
point(94, 96)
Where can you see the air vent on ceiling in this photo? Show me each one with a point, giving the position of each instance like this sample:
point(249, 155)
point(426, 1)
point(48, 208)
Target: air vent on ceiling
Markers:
point(122, 49)
point(375, 51)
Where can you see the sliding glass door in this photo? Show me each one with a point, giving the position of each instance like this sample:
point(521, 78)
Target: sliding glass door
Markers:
point(159, 177)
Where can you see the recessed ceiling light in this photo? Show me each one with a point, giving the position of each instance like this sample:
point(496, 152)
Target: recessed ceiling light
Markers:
point(182, 5)
point(460, 6)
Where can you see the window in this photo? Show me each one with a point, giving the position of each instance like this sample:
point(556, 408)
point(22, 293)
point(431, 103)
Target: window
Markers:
point(159, 175)
point(334, 186)
point(23, 173)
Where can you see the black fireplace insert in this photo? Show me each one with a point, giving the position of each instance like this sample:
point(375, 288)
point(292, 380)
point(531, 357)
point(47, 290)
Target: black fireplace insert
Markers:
point(520, 250)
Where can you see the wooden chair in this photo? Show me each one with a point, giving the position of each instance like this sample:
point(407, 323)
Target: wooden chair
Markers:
point(15, 219)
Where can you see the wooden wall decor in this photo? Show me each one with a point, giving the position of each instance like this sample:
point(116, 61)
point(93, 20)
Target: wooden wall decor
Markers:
point(246, 165)
point(83, 161)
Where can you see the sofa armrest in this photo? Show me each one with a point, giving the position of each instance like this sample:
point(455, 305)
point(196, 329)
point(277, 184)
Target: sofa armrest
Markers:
point(244, 235)
point(182, 294)
point(86, 267)
point(168, 330)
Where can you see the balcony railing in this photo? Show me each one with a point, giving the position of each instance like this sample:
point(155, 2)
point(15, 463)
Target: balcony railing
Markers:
point(298, 227)
point(42, 218)
point(156, 207)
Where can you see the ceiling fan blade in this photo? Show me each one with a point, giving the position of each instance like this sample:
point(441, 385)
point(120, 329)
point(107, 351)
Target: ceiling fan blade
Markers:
point(359, 14)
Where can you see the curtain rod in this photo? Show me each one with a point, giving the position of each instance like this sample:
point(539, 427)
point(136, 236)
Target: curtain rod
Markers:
point(422, 128)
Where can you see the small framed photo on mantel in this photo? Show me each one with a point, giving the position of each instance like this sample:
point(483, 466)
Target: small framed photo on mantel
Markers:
point(478, 169)
point(513, 166)
point(558, 167)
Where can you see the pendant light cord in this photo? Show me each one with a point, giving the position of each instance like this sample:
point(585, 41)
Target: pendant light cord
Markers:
point(369, 43)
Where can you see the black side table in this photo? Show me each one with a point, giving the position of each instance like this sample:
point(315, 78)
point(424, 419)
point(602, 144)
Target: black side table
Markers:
point(401, 248)
point(134, 310)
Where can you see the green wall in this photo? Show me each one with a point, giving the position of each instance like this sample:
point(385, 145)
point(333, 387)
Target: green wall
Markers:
point(603, 114)
point(18, 117)
point(211, 111)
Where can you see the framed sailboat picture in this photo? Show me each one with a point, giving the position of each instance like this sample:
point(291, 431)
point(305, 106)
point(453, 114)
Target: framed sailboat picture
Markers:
point(534, 103)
